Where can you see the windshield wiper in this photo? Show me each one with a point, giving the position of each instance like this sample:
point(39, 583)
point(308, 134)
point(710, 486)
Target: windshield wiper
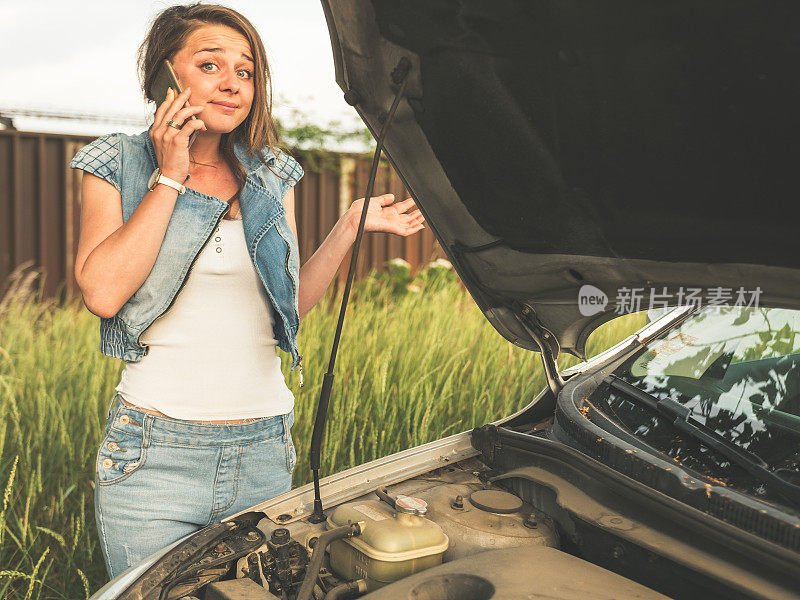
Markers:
point(681, 419)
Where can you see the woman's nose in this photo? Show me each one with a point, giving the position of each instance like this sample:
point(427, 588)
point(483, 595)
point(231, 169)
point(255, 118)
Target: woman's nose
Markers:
point(230, 81)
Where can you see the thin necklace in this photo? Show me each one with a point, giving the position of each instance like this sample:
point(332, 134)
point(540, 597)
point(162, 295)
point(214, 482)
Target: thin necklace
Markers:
point(194, 162)
point(233, 198)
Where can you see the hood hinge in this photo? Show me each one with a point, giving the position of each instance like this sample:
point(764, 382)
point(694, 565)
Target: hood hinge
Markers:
point(547, 343)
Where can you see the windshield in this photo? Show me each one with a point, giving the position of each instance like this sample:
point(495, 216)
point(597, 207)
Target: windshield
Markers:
point(738, 370)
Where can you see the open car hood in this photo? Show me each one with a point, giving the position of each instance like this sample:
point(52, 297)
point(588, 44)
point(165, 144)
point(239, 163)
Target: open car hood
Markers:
point(634, 144)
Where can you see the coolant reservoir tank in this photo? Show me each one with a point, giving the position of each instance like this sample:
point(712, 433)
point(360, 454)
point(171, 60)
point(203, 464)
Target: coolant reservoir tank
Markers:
point(393, 543)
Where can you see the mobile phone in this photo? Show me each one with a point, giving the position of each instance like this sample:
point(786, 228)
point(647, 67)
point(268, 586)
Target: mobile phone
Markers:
point(165, 79)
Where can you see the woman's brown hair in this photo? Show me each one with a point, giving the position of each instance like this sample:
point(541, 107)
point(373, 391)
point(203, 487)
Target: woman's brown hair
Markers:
point(169, 32)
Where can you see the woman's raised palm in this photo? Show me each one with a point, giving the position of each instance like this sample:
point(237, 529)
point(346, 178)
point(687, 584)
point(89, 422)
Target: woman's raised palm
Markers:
point(384, 216)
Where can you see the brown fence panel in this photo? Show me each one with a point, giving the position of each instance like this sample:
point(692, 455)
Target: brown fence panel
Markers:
point(52, 213)
point(6, 214)
point(37, 207)
point(72, 216)
point(317, 201)
point(40, 208)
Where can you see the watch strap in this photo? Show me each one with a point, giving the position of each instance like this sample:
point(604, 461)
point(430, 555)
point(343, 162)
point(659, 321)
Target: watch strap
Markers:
point(161, 178)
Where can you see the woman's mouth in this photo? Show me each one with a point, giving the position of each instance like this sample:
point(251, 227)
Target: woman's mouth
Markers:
point(226, 106)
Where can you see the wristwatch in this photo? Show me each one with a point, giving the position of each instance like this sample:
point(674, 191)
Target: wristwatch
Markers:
point(158, 177)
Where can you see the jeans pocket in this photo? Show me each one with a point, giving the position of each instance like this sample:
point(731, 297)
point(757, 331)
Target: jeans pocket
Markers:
point(291, 454)
point(120, 455)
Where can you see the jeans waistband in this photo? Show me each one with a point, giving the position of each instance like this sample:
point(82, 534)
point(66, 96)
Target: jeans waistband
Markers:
point(166, 429)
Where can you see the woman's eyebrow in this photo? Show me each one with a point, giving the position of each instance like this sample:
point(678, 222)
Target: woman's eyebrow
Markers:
point(220, 50)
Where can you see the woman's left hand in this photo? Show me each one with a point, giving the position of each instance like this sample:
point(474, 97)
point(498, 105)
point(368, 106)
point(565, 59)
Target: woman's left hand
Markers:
point(384, 216)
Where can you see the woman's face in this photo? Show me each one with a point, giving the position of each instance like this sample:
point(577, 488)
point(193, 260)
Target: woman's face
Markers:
point(216, 62)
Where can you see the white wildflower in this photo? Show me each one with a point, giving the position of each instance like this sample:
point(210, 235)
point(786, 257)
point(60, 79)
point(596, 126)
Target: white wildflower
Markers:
point(440, 263)
point(399, 262)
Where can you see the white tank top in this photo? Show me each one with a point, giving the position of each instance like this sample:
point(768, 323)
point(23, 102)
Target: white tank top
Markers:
point(212, 354)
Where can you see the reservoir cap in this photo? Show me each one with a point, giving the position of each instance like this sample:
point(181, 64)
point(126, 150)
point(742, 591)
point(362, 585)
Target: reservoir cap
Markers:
point(496, 501)
point(414, 506)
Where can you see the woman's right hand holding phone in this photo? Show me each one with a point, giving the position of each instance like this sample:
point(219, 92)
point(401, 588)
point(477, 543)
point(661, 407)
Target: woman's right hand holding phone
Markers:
point(172, 144)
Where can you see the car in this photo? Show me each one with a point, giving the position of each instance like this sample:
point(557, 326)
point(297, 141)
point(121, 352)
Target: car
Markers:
point(577, 161)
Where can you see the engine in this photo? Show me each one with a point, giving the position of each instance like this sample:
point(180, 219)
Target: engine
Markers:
point(447, 534)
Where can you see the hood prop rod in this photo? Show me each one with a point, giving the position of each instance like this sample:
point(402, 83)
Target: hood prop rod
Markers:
point(399, 77)
point(546, 340)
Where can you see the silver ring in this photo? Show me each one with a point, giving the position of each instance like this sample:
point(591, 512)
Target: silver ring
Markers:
point(173, 124)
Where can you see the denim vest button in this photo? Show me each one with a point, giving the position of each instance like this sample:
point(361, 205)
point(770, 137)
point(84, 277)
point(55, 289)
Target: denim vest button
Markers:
point(124, 419)
point(216, 239)
point(219, 249)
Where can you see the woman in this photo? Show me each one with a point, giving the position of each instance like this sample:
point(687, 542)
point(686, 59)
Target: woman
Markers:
point(197, 285)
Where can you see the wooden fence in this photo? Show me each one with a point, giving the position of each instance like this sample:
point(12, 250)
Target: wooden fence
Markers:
point(40, 209)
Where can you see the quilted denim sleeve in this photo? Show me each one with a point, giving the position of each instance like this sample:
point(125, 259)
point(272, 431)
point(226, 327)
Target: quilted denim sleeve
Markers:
point(101, 158)
point(289, 169)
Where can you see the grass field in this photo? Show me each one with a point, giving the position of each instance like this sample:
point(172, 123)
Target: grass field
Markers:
point(417, 361)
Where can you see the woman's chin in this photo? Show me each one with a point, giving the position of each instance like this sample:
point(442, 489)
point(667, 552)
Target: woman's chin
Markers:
point(219, 128)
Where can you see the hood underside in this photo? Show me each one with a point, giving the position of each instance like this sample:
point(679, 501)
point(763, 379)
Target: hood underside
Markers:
point(618, 144)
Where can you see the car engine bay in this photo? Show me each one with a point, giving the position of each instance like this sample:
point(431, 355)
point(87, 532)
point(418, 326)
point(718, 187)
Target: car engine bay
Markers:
point(448, 533)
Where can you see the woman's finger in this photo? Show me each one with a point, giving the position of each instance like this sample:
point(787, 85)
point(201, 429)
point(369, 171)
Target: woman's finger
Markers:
point(182, 118)
point(404, 205)
point(412, 219)
point(189, 127)
point(162, 108)
point(411, 225)
point(186, 113)
point(176, 105)
point(379, 200)
point(409, 220)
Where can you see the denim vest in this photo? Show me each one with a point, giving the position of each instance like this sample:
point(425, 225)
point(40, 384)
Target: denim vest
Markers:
point(127, 162)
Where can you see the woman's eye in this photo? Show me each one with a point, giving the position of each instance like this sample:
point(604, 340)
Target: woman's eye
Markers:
point(249, 73)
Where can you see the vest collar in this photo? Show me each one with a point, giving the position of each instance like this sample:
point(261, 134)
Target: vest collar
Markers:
point(249, 162)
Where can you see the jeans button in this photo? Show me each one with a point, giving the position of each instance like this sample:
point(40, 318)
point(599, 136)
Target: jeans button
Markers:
point(124, 419)
point(113, 446)
point(108, 463)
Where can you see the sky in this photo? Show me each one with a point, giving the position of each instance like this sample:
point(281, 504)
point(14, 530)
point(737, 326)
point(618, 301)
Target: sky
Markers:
point(81, 57)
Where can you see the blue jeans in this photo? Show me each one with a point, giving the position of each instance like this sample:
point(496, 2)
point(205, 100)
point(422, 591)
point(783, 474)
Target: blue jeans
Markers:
point(159, 479)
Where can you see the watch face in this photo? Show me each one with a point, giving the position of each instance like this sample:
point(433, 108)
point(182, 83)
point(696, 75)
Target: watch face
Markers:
point(151, 184)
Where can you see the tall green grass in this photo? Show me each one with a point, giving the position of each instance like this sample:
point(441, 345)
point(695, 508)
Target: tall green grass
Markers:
point(417, 361)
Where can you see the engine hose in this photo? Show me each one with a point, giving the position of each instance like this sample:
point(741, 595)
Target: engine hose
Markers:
point(315, 564)
point(347, 590)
